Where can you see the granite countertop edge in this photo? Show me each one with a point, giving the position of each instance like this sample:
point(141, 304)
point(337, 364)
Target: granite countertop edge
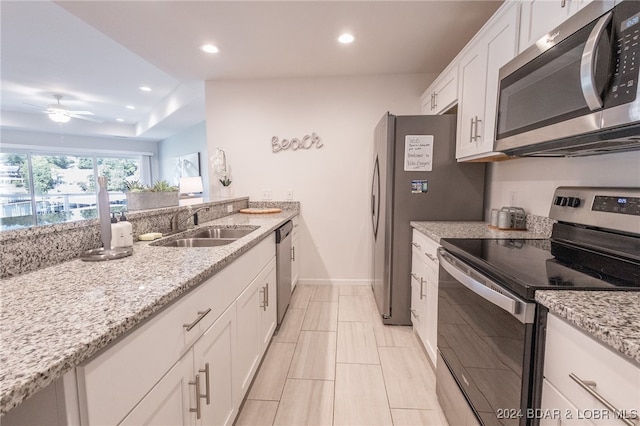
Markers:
point(15, 386)
point(610, 317)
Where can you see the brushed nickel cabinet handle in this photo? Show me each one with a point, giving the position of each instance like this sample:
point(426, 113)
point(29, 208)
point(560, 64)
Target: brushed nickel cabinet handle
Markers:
point(293, 254)
point(421, 287)
point(266, 294)
point(263, 302)
point(477, 135)
point(416, 245)
point(563, 3)
point(471, 132)
point(206, 382)
point(434, 259)
point(413, 312)
point(198, 409)
point(588, 385)
point(201, 314)
point(435, 100)
point(415, 276)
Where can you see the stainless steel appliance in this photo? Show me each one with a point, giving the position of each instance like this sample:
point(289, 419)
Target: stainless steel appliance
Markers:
point(283, 268)
point(415, 177)
point(490, 330)
point(575, 91)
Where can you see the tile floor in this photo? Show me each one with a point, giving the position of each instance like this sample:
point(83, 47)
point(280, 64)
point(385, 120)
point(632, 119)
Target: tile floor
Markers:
point(333, 362)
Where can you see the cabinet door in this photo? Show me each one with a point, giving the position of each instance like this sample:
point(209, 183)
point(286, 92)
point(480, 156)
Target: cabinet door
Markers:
point(295, 256)
point(415, 293)
point(479, 86)
point(169, 401)
point(472, 99)
point(213, 358)
point(446, 91)
point(269, 306)
point(431, 316)
point(501, 47)
point(538, 17)
point(248, 335)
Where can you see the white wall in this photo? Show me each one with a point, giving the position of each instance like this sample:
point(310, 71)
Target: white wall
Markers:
point(333, 182)
point(530, 182)
point(189, 141)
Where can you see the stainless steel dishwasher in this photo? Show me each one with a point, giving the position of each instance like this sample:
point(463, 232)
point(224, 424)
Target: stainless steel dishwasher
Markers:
point(283, 268)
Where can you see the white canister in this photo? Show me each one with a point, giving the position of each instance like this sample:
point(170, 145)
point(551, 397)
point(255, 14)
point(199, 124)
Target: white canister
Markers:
point(494, 217)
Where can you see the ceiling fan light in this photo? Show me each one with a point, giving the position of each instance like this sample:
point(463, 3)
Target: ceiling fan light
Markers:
point(59, 116)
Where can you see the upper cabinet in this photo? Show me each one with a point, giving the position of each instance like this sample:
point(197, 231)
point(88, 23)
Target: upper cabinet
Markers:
point(442, 94)
point(538, 17)
point(479, 64)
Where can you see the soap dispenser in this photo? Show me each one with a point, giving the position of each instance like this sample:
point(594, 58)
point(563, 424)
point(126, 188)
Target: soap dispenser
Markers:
point(127, 230)
point(117, 236)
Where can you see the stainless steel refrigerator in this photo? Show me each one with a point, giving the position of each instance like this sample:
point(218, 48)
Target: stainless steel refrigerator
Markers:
point(415, 178)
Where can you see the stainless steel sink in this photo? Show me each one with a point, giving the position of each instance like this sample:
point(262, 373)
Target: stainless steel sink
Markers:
point(222, 233)
point(199, 242)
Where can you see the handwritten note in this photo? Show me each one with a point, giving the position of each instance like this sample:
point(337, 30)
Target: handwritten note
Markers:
point(418, 153)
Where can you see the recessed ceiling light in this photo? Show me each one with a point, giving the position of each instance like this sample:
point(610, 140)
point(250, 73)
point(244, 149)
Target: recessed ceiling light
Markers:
point(130, 107)
point(119, 119)
point(209, 48)
point(346, 38)
point(145, 88)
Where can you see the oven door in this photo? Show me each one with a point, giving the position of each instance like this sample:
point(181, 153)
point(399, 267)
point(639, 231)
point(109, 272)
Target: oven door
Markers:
point(486, 340)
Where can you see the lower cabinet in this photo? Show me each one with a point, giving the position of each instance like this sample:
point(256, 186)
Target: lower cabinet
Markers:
point(586, 382)
point(198, 388)
point(295, 252)
point(255, 326)
point(192, 363)
point(424, 292)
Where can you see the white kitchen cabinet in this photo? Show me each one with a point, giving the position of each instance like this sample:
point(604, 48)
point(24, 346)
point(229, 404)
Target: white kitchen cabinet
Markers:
point(571, 356)
point(257, 317)
point(169, 401)
point(443, 92)
point(538, 17)
point(198, 388)
point(295, 253)
point(424, 291)
point(142, 376)
point(478, 85)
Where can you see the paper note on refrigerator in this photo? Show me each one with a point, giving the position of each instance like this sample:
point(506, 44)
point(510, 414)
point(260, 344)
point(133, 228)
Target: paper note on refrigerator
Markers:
point(418, 153)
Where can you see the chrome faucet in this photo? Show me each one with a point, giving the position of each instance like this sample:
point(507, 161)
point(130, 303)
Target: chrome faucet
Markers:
point(176, 222)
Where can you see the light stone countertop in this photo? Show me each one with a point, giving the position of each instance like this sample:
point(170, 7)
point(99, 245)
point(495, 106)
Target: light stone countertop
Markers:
point(437, 230)
point(611, 317)
point(54, 318)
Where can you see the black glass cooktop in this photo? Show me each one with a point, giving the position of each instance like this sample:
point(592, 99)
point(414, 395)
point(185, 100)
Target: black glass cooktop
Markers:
point(525, 266)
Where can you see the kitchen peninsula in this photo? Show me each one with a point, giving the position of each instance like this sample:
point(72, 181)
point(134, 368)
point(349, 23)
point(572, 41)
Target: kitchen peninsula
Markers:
point(57, 317)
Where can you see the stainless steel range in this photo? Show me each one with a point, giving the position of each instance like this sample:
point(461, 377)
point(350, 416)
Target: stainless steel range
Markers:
point(489, 326)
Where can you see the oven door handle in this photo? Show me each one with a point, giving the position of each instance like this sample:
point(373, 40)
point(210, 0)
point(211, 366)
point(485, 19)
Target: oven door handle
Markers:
point(516, 307)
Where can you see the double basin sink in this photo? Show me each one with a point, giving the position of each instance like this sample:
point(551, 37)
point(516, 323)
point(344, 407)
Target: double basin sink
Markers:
point(207, 237)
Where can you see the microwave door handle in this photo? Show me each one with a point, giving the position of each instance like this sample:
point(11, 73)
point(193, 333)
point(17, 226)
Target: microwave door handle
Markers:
point(588, 64)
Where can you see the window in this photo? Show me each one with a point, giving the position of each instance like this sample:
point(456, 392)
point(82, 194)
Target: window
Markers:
point(42, 188)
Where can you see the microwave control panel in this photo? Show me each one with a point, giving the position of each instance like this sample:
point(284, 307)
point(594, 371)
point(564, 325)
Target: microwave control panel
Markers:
point(626, 53)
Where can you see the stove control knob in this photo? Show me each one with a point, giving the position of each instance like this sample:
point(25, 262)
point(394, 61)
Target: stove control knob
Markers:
point(560, 201)
point(573, 202)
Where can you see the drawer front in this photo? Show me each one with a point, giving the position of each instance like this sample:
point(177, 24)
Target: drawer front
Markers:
point(617, 380)
point(112, 382)
point(426, 248)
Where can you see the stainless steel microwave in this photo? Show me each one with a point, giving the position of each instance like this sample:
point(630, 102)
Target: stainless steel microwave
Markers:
point(575, 92)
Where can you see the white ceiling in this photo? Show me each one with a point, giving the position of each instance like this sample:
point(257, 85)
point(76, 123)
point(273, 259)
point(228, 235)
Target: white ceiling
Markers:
point(97, 53)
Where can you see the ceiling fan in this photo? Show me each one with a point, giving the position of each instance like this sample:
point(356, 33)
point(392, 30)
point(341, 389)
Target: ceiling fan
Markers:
point(62, 114)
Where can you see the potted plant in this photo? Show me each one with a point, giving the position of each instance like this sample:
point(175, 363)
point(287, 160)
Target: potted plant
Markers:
point(144, 197)
point(223, 170)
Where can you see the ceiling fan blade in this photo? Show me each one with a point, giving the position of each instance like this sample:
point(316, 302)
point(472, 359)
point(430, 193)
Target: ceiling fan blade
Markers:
point(81, 112)
point(82, 117)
